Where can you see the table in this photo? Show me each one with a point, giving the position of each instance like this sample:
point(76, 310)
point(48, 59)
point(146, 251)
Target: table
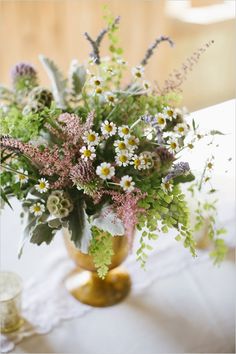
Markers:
point(191, 311)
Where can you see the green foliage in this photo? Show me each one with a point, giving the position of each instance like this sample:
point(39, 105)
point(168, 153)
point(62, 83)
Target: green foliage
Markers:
point(163, 212)
point(101, 250)
point(76, 223)
point(17, 125)
point(78, 78)
point(42, 233)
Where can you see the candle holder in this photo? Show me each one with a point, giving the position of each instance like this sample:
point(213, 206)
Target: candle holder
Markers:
point(10, 302)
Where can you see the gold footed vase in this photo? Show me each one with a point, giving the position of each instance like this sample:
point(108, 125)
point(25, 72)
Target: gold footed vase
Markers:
point(85, 285)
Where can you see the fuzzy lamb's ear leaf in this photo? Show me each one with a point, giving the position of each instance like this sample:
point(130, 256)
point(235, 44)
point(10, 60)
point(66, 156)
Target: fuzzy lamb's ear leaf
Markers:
point(79, 228)
point(77, 74)
point(42, 233)
point(57, 80)
point(27, 233)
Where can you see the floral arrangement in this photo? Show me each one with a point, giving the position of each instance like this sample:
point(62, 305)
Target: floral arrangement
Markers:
point(101, 157)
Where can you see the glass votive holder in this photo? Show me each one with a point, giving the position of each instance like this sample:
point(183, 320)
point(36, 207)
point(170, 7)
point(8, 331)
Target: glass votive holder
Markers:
point(10, 302)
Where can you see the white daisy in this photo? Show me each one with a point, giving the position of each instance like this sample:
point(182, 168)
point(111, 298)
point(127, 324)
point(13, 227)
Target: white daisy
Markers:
point(166, 186)
point(91, 138)
point(37, 209)
point(105, 170)
point(124, 131)
point(137, 162)
point(181, 129)
point(120, 145)
point(110, 98)
point(132, 142)
point(98, 90)
point(146, 85)
point(170, 113)
point(96, 81)
point(88, 153)
point(108, 128)
point(22, 176)
point(127, 183)
point(138, 71)
point(121, 61)
point(147, 160)
point(173, 144)
point(42, 186)
point(160, 120)
point(123, 158)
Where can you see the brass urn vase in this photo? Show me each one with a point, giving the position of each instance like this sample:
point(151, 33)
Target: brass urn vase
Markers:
point(84, 283)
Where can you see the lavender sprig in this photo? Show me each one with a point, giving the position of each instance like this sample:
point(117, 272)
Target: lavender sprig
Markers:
point(95, 54)
point(179, 169)
point(150, 119)
point(150, 50)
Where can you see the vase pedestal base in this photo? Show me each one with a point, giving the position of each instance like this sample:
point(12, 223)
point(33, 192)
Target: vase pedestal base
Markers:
point(89, 289)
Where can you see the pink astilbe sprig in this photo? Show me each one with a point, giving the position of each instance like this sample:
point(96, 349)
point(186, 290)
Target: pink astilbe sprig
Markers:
point(82, 173)
point(55, 161)
point(72, 126)
point(127, 209)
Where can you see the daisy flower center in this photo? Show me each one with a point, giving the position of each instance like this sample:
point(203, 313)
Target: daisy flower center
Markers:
point(42, 185)
point(97, 82)
point(170, 113)
point(22, 177)
point(123, 158)
point(121, 146)
point(108, 128)
point(127, 184)
point(173, 145)
point(105, 171)
point(138, 74)
point(125, 130)
point(132, 142)
point(87, 153)
point(98, 90)
point(161, 120)
point(37, 208)
point(181, 129)
point(91, 137)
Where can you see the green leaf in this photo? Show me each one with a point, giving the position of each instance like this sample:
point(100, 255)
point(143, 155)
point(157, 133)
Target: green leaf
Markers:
point(57, 80)
point(183, 179)
point(42, 233)
point(216, 132)
point(4, 197)
point(54, 224)
point(78, 77)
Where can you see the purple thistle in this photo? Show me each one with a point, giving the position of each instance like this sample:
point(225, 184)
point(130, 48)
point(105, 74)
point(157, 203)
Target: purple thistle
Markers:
point(179, 169)
point(23, 76)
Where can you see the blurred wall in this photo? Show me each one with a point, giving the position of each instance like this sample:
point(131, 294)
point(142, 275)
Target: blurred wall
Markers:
point(55, 28)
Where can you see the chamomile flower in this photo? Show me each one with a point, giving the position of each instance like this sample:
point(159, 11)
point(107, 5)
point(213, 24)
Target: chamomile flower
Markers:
point(146, 85)
point(137, 162)
point(147, 160)
point(110, 98)
point(108, 128)
point(127, 183)
point(132, 142)
point(124, 131)
point(173, 144)
point(88, 152)
point(105, 170)
point(166, 186)
point(98, 90)
point(123, 158)
point(169, 113)
point(181, 129)
point(120, 145)
point(121, 61)
point(37, 209)
point(42, 186)
point(160, 120)
point(138, 71)
point(96, 81)
point(91, 138)
point(22, 176)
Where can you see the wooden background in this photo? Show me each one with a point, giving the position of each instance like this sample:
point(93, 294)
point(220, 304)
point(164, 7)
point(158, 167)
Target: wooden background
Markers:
point(55, 28)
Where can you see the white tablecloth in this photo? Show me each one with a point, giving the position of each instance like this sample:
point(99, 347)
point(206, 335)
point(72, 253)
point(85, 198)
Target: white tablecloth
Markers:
point(186, 312)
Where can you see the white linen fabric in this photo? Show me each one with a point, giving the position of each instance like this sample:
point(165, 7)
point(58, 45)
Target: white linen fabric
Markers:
point(46, 302)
